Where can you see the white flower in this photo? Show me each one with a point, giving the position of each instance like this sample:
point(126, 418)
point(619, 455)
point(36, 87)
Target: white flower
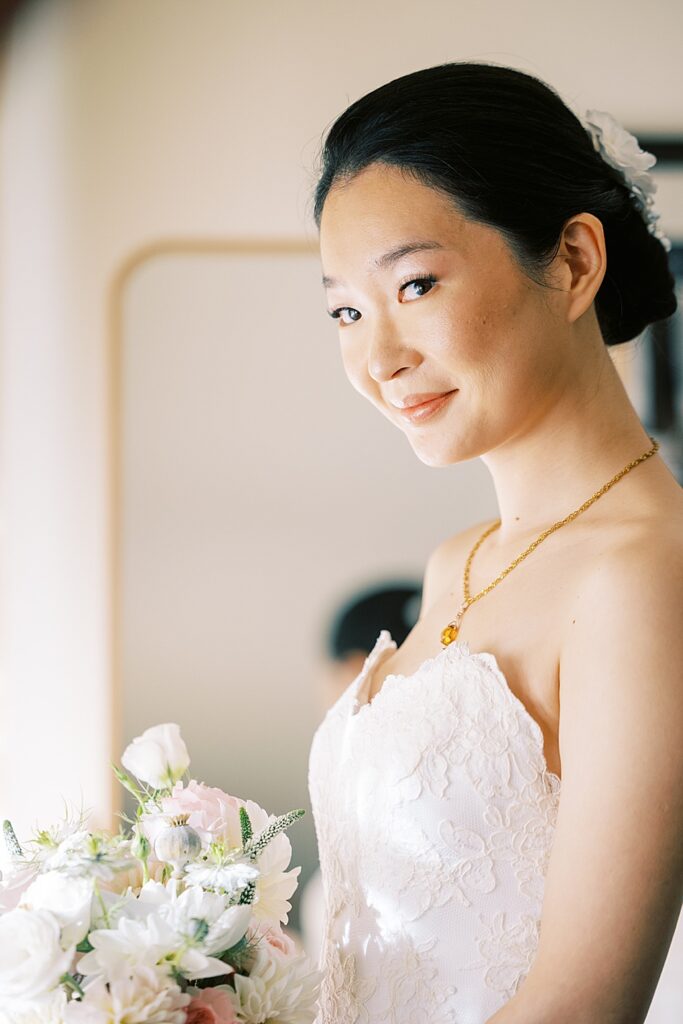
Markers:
point(68, 898)
point(154, 943)
point(85, 853)
point(67, 852)
point(159, 757)
point(48, 1009)
point(621, 150)
point(16, 877)
point(190, 929)
point(226, 878)
point(116, 951)
point(144, 997)
point(32, 960)
point(275, 884)
point(204, 919)
point(278, 987)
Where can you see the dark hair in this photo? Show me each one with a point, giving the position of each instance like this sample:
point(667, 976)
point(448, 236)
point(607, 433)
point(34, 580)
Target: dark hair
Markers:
point(355, 625)
point(506, 149)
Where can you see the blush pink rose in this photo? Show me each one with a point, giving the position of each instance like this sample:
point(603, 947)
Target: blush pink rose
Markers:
point(280, 940)
point(212, 812)
point(211, 1006)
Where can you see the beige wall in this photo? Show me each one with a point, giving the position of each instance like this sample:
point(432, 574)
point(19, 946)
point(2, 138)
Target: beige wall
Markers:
point(127, 122)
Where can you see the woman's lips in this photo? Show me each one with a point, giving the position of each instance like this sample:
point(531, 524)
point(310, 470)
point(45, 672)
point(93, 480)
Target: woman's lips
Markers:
point(418, 413)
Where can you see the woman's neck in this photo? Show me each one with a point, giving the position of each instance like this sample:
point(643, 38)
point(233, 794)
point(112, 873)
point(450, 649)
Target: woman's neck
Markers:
point(567, 453)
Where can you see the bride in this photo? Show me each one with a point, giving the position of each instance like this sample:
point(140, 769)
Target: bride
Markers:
point(498, 802)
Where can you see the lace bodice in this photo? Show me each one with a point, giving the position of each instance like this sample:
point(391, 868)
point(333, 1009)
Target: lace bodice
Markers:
point(434, 812)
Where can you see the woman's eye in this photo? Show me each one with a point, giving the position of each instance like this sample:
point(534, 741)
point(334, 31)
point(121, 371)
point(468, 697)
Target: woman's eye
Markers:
point(336, 314)
point(420, 282)
point(413, 289)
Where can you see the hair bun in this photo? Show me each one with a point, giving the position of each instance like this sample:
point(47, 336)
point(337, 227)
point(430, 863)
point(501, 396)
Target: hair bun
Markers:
point(639, 287)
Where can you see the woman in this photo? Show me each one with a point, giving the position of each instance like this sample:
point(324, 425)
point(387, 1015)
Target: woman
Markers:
point(498, 802)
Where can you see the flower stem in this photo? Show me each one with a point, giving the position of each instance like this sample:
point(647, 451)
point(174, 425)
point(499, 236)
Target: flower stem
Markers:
point(103, 906)
point(70, 982)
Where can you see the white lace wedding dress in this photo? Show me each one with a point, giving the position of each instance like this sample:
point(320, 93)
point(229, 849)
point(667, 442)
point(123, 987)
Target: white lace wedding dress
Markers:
point(434, 812)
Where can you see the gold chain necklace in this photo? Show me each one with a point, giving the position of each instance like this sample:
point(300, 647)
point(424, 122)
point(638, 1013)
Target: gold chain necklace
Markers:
point(450, 632)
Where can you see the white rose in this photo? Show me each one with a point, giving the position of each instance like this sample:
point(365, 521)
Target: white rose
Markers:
point(32, 960)
point(68, 898)
point(16, 877)
point(49, 1009)
point(158, 757)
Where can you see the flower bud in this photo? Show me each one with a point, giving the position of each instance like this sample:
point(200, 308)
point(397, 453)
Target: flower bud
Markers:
point(177, 845)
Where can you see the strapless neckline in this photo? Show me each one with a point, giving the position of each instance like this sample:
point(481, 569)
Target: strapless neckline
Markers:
point(461, 648)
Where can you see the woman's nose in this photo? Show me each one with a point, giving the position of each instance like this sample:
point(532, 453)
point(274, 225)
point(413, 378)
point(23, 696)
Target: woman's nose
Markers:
point(387, 352)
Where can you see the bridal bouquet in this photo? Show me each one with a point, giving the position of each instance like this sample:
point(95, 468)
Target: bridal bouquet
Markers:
point(177, 921)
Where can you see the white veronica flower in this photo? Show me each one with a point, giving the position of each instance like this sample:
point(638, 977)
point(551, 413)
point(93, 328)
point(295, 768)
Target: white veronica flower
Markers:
point(144, 997)
point(33, 959)
point(68, 898)
point(275, 884)
point(278, 987)
point(159, 757)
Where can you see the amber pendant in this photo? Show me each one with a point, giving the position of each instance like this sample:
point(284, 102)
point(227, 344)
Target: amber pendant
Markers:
point(450, 632)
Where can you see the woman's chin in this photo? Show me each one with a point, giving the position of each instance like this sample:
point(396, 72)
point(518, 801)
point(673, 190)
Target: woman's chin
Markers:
point(436, 456)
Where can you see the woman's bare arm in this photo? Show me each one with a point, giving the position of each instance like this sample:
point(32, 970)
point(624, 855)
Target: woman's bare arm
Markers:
point(615, 878)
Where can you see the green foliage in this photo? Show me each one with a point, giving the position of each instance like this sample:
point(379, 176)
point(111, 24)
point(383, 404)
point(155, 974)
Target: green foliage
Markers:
point(201, 929)
point(245, 825)
point(141, 846)
point(129, 783)
point(11, 841)
point(241, 955)
point(71, 983)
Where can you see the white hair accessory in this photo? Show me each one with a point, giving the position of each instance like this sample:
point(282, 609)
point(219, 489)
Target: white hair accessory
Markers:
point(620, 149)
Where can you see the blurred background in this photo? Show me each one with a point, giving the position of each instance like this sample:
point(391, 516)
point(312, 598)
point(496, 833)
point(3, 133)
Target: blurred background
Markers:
point(190, 490)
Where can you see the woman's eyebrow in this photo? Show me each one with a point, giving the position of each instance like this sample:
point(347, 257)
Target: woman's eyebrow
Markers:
point(388, 259)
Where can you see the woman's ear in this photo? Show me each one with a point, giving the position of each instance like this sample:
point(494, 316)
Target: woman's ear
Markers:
point(582, 262)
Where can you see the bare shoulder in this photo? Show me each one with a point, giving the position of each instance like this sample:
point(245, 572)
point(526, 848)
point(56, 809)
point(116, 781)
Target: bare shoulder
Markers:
point(628, 591)
point(639, 561)
point(621, 747)
point(447, 558)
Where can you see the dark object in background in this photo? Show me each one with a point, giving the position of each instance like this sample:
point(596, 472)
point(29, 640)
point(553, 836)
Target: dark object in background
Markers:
point(9, 9)
point(356, 624)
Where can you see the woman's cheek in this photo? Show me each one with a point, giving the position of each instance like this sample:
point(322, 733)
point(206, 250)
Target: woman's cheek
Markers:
point(356, 370)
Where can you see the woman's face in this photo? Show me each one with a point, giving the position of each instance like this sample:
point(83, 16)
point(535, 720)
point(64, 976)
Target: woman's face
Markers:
point(477, 327)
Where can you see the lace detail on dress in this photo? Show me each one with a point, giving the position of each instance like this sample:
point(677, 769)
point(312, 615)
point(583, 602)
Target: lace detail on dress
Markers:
point(508, 952)
point(435, 813)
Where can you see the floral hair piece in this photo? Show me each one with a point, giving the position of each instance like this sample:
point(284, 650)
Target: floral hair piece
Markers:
point(620, 149)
